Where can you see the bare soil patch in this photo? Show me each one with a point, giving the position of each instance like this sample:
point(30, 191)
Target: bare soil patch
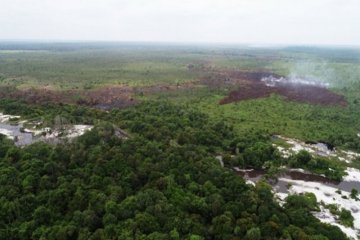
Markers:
point(118, 96)
point(234, 78)
point(299, 93)
point(32, 95)
point(243, 85)
point(247, 85)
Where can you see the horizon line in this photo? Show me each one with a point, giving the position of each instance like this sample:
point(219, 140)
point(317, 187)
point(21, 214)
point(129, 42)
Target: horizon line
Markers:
point(182, 43)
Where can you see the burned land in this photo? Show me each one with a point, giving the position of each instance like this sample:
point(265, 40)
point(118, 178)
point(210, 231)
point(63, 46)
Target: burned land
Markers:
point(245, 85)
point(107, 97)
point(241, 85)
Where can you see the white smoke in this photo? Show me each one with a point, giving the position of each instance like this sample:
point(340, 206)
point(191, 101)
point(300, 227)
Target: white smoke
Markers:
point(292, 80)
point(337, 74)
point(313, 72)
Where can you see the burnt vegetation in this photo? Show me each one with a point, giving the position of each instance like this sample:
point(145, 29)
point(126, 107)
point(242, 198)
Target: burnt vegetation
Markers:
point(246, 85)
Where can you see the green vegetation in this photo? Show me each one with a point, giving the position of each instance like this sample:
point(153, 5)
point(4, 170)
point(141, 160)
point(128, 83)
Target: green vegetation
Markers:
point(354, 194)
point(344, 216)
point(307, 201)
point(85, 69)
point(320, 165)
point(164, 182)
point(89, 66)
point(335, 125)
point(146, 187)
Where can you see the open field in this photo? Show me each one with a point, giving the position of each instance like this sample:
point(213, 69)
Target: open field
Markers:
point(93, 68)
point(224, 82)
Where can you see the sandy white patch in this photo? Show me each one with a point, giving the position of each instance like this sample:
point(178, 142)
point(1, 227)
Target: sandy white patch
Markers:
point(325, 216)
point(344, 160)
point(351, 155)
point(319, 149)
point(78, 130)
point(299, 146)
point(220, 159)
point(298, 170)
point(280, 197)
point(5, 118)
point(242, 170)
point(34, 132)
point(7, 133)
point(328, 195)
point(284, 152)
point(70, 132)
point(250, 182)
point(353, 175)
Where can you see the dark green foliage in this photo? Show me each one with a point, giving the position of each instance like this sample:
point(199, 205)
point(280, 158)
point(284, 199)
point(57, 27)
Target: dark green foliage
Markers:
point(354, 194)
point(343, 216)
point(303, 157)
point(316, 164)
point(306, 201)
point(348, 141)
point(346, 218)
point(147, 187)
point(256, 155)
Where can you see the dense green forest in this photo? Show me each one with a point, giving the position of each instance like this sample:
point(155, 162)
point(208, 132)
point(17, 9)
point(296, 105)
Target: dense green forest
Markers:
point(162, 183)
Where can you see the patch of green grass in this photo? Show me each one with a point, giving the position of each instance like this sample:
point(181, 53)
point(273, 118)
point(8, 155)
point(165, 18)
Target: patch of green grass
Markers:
point(76, 69)
point(344, 216)
point(276, 115)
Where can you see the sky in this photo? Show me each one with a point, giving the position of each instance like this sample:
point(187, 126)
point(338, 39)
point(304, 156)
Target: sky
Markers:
point(316, 22)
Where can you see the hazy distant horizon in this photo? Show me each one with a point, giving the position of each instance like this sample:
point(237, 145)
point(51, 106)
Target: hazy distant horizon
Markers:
point(163, 43)
point(269, 22)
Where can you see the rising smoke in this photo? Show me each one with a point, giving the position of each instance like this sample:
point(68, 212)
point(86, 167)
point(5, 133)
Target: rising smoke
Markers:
point(311, 73)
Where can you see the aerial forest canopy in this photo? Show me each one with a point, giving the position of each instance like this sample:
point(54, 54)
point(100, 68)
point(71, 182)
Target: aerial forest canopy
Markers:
point(179, 120)
point(163, 182)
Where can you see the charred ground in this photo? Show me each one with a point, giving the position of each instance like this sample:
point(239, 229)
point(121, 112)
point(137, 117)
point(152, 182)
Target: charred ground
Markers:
point(249, 85)
point(243, 85)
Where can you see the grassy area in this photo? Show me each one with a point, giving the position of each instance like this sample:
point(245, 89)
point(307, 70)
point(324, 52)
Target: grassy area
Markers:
point(74, 66)
point(93, 68)
point(276, 115)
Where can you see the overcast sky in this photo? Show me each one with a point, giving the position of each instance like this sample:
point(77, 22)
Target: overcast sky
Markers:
point(223, 21)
